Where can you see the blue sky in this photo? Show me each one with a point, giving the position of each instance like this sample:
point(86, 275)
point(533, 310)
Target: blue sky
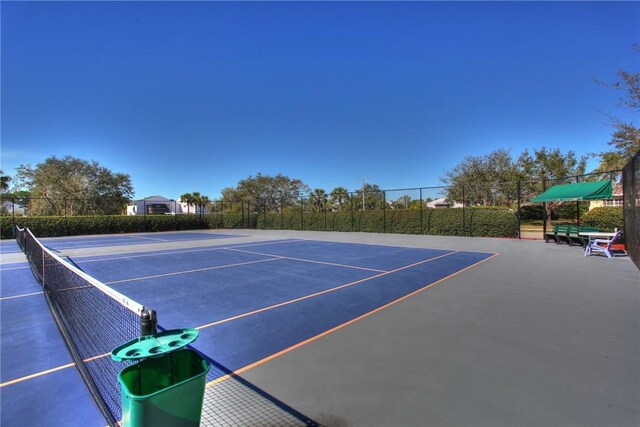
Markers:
point(194, 96)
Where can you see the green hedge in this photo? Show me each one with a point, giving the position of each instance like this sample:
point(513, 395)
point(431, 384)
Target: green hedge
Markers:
point(605, 218)
point(53, 226)
point(488, 222)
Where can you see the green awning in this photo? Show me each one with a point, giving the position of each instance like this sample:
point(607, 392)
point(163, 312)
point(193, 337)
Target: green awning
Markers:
point(596, 190)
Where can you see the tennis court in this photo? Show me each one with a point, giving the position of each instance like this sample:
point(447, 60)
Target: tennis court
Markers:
point(351, 329)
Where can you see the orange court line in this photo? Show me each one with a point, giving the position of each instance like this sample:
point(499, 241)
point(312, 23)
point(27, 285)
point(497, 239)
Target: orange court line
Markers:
point(49, 371)
point(334, 264)
point(329, 331)
point(37, 374)
point(326, 291)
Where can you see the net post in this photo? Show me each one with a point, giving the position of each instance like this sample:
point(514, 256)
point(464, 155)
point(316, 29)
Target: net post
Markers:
point(148, 322)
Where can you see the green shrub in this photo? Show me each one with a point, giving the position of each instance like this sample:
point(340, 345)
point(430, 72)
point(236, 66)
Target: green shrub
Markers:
point(490, 222)
point(605, 218)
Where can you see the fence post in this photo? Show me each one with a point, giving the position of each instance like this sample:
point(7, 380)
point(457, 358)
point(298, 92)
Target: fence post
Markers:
point(13, 212)
point(519, 198)
point(384, 211)
point(324, 207)
point(463, 203)
point(544, 208)
point(421, 212)
point(301, 213)
point(282, 213)
point(578, 205)
point(351, 204)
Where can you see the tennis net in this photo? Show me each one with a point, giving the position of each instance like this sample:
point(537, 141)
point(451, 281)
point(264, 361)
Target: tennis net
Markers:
point(92, 318)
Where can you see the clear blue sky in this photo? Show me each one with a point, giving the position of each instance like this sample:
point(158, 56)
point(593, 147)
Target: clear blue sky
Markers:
point(196, 96)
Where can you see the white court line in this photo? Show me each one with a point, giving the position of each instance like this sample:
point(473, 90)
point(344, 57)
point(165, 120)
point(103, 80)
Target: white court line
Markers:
point(197, 270)
point(334, 264)
point(13, 268)
point(189, 251)
point(149, 238)
point(22, 295)
point(323, 292)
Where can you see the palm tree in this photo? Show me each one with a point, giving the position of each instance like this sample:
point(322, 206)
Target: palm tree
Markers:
point(204, 202)
point(197, 200)
point(318, 199)
point(338, 196)
point(4, 181)
point(188, 199)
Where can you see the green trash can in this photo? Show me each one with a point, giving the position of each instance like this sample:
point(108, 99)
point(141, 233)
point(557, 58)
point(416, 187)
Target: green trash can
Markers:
point(166, 386)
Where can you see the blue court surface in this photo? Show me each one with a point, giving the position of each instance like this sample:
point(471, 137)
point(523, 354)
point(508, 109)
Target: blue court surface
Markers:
point(127, 239)
point(99, 241)
point(250, 301)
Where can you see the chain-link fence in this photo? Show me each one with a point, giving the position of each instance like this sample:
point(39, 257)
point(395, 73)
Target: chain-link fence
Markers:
point(631, 190)
point(408, 210)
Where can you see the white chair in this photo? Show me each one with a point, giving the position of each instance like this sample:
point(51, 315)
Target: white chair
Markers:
point(602, 245)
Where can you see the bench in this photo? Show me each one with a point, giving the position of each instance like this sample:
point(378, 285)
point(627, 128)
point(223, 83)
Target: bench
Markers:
point(575, 238)
point(568, 234)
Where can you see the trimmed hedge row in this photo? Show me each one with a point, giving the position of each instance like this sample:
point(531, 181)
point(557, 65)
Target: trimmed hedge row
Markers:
point(53, 226)
point(487, 222)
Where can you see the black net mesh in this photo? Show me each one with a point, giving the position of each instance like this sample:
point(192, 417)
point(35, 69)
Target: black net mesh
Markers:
point(92, 320)
point(20, 232)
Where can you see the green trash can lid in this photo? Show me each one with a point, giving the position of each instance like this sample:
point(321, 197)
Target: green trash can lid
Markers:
point(155, 345)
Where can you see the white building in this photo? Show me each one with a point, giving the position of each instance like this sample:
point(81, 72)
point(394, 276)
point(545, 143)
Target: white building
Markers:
point(443, 203)
point(158, 205)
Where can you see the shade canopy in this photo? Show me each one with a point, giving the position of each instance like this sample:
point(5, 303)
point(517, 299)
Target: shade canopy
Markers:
point(596, 190)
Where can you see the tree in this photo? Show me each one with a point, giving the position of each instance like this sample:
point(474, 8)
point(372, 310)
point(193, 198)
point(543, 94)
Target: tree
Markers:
point(74, 186)
point(403, 202)
point(478, 179)
point(552, 166)
point(188, 199)
point(269, 192)
point(4, 181)
point(339, 196)
point(625, 139)
point(372, 197)
point(318, 200)
point(204, 203)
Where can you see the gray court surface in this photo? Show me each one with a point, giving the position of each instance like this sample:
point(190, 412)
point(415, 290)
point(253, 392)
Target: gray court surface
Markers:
point(538, 335)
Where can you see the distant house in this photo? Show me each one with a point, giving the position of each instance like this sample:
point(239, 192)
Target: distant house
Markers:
point(443, 203)
point(617, 200)
point(13, 209)
point(158, 205)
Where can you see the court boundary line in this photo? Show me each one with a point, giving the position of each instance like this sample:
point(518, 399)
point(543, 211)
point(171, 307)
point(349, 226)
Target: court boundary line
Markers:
point(302, 343)
point(325, 291)
point(311, 261)
point(36, 375)
point(282, 352)
point(22, 295)
point(197, 270)
point(273, 257)
point(185, 251)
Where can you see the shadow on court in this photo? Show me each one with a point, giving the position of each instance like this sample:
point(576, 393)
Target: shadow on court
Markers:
point(231, 400)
